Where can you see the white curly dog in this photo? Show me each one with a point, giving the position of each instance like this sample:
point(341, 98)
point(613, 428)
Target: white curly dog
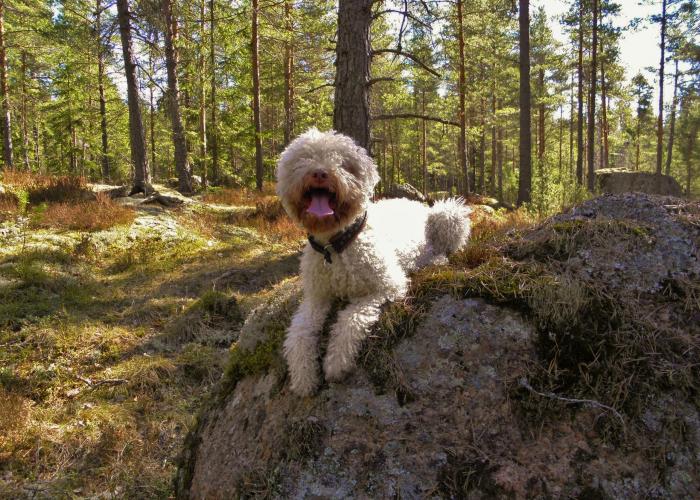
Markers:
point(358, 250)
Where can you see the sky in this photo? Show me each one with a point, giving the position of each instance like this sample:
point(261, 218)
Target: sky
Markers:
point(639, 48)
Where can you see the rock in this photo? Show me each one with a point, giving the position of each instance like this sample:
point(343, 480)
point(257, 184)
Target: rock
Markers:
point(620, 180)
point(486, 397)
point(117, 192)
point(405, 191)
point(165, 200)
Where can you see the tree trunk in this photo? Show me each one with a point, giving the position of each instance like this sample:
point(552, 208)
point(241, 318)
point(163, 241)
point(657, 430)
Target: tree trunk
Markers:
point(482, 150)
point(73, 158)
point(540, 120)
point(37, 146)
point(288, 76)
point(639, 131)
point(178, 130)
point(25, 132)
point(561, 139)
point(213, 133)
point(5, 97)
point(462, 142)
point(579, 122)
point(525, 181)
point(351, 102)
point(259, 173)
point(660, 120)
point(202, 100)
point(672, 130)
point(690, 146)
point(424, 146)
point(605, 153)
point(591, 114)
point(136, 136)
point(499, 161)
point(494, 147)
point(152, 110)
point(104, 160)
point(571, 127)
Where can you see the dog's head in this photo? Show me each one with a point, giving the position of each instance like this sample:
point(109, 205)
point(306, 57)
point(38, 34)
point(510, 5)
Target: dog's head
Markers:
point(325, 180)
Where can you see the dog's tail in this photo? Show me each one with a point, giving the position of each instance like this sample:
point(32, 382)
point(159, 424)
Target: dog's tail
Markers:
point(448, 225)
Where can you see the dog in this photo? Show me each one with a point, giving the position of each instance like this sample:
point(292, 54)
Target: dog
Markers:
point(358, 251)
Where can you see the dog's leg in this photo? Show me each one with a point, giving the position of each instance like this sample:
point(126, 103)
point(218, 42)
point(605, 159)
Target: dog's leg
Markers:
point(353, 326)
point(301, 344)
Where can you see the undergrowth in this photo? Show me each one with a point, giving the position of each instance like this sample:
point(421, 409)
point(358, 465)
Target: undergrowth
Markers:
point(102, 213)
point(41, 188)
point(108, 342)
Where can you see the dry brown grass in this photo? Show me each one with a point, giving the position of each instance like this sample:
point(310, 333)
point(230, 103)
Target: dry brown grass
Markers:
point(8, 209)
point(487, 226)
point(47, 188)
point(281, 229)
point(239, 196)
point(97, 215)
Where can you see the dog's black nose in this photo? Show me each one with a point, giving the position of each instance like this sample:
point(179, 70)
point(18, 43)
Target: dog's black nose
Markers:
point(320, 175)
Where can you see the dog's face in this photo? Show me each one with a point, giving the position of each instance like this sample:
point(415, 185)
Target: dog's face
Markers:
point(325, 180)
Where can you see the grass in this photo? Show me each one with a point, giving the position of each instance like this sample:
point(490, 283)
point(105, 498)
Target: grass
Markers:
point(238, 196)
point(109, 338)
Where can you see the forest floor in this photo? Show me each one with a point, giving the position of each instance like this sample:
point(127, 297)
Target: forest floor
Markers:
point(110, 337)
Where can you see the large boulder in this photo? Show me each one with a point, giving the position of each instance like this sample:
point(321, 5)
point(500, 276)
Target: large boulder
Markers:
point(620, 180)
point(405, 191)
point(559, 361)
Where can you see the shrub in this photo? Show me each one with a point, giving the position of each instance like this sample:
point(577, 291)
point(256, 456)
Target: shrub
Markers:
point(47, 188)
point(102, 213)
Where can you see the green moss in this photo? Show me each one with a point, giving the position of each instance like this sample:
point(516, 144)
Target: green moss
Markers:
point(39, 291)
point(265, 356)
point(199, 362)
point(154, 255)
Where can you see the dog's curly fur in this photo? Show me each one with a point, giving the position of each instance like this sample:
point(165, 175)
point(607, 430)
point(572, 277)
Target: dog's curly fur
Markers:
point(399, 236)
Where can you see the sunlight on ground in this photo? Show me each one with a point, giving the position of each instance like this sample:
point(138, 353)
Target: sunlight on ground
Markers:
point(110, 338)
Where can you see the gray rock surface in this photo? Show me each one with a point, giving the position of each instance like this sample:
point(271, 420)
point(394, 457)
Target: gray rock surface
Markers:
point(465, 431)
point(620, 180)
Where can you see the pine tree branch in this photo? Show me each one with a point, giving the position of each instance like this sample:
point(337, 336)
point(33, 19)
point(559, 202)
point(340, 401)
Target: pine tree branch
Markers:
point(403, 13)
point(381, 79)
point(408, 55)
point(397, 116)
point(314, 89)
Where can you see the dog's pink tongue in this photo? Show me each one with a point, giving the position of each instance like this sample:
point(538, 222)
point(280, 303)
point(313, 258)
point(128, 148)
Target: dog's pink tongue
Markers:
point(319, 206)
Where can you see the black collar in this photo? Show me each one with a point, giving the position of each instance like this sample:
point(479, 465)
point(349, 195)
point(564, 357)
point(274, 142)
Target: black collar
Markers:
point(340, 241)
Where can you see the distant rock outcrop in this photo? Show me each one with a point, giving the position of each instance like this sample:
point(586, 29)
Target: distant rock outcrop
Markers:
point(405, 191)
point(620, 180)
point(559, 361)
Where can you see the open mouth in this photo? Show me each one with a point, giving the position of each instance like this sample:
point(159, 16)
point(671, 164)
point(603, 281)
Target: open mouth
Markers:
point(320, 202)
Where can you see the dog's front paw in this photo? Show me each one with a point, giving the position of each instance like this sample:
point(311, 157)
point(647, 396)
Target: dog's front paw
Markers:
point(304, 381)
point(336, 367)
